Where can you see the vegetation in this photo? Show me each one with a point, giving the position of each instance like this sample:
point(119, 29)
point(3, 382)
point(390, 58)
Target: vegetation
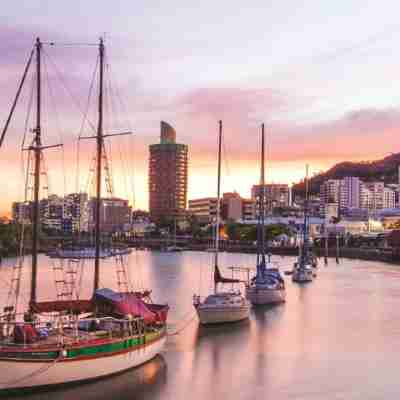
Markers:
point(9, 238)
point(236, 231)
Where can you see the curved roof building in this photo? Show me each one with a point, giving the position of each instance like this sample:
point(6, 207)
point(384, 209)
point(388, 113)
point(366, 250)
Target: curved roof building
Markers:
point(168, 134)
point(168, 175)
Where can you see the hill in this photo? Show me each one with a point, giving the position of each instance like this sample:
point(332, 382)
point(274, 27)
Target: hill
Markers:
point(385, 170)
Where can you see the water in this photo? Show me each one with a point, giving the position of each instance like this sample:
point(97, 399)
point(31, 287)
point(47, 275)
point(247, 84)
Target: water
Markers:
point(337, 338)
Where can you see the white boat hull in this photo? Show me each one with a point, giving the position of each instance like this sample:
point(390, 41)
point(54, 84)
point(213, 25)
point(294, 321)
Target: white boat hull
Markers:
point(30, 375)
point(264, 296)
point(219, 315)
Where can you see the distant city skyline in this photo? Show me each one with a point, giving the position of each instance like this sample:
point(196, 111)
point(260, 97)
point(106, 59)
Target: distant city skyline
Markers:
point(323, 77)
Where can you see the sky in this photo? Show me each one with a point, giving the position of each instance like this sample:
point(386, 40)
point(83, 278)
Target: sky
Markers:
point(322, 76)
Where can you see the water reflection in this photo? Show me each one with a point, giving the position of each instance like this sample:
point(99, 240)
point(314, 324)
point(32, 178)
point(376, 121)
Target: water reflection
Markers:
point(336, 338)
point(144, 382)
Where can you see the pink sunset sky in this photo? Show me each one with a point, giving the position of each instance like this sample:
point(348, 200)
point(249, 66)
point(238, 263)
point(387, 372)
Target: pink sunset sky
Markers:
point(322, 77)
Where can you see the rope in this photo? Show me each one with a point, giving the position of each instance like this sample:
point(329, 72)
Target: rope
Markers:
point(56, 114)
point(186, 323)
point(74, 100)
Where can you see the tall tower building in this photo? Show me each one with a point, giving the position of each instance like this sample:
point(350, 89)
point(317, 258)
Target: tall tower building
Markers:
point(168, 176)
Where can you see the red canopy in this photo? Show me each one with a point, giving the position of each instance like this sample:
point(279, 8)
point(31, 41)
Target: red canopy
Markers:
point(129, 304)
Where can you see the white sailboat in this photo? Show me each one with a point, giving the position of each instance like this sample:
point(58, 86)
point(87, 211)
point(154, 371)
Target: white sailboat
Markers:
point(221, 306)
point(268, 285)
point(304, 269)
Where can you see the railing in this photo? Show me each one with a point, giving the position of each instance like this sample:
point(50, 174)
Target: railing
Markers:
point(110, 326)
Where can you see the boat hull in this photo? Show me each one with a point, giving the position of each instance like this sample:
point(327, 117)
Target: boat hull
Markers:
point(28, 375)
point(220, 315)
point(264, 296)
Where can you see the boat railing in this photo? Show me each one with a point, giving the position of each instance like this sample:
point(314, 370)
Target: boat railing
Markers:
point(75, 332)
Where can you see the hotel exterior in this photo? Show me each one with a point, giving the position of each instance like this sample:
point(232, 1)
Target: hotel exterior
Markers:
point(168, 176)
point(233, 207)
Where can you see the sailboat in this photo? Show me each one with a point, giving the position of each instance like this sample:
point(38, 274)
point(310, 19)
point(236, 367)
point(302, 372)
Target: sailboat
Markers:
point(304, 269)
point(72, 340)
point(221, 306)
point(268, 285)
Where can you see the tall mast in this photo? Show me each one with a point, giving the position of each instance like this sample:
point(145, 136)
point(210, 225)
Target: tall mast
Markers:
point(261, 217)
point(218, 199)
point(37, 155)
point(99, 138)
point(305, 233)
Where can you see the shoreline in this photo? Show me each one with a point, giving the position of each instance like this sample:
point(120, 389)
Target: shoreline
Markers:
point(388, 255)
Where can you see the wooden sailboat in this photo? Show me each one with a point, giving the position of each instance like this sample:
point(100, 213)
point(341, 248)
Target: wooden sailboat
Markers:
point(221, 306)
point(71, 340)
point(305, 266)
point(268, 285)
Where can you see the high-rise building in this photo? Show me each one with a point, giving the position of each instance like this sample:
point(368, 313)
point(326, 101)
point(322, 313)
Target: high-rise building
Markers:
point(389, 198)
point(329, 193)
point(351, 193)
point(168, 176)
point(51, 213)
point(350, 187)
point(76, 213)
point(372, 195)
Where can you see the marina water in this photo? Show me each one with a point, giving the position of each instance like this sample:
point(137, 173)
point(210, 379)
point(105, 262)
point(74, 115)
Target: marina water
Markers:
point(336, 338)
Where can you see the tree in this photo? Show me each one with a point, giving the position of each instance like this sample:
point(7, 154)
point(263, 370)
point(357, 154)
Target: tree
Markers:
point(232, 230)
point(194, 226)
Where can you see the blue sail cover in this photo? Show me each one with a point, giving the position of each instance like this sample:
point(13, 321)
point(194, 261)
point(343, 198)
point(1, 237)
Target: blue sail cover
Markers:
point(267, 275)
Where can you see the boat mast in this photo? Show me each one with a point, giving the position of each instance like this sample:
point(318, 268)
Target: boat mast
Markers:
point(261, 218)
point(100, 140)
point(175, 233)
point(36, 147)
point(305, 233)
point(218, 202)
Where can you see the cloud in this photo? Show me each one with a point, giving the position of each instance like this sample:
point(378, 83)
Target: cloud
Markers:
point(195, 116)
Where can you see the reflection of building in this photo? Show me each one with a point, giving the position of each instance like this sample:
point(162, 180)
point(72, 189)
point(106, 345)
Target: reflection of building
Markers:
point(233, 207)
point(168, 175)
point(115, 214)
point(276, 195)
